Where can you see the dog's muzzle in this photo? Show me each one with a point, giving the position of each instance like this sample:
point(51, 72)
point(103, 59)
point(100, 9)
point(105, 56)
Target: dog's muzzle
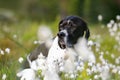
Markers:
point(62, 35)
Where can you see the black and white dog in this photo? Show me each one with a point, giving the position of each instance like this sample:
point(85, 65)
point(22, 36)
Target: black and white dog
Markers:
point(71, 28)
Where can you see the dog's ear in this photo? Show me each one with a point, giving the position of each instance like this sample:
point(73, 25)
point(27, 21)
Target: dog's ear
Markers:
point(87, 34)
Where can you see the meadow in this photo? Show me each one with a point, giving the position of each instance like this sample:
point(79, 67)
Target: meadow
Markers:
point(18, 40)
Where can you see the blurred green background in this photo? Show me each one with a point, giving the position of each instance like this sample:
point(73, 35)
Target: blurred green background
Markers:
point(20, 20)
point(46, 10)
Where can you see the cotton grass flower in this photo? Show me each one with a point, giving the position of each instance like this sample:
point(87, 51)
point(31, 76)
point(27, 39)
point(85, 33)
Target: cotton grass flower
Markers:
point(118, 17)
point(112, 21)
point(51, 76)
point(20, 59)
point(7, 50)
point(44, 33)
point(72, 76)
point(100, 17)
point(112, 56)
point(83, 51)
point(4, 76)
point(117, 60)
point(90, 43)
point(96, 77)
point(15, 36)
point(44, 36)
point(2, 52)
point(114, 70)
point(119, 72)
point(26, 74)
point(36, 42)
point(39, 63)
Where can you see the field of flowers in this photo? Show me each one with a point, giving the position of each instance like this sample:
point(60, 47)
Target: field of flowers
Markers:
point(19, 39)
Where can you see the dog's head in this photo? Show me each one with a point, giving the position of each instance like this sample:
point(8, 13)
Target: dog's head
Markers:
point(71, 28)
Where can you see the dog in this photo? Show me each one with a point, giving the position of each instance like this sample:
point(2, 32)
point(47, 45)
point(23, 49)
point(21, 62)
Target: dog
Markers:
point(70, 29)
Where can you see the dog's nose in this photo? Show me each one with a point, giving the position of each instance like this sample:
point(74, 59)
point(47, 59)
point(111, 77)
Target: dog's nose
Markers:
point(61, 34)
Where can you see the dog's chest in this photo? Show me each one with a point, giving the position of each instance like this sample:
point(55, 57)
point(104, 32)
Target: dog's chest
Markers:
point(56, 54)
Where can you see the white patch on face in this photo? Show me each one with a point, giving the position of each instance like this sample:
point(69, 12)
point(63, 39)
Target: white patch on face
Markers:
point(66, 35)
point(68, 21)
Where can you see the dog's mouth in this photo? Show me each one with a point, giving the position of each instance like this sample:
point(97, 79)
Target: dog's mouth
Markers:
point(64, 39)
point(62, 43)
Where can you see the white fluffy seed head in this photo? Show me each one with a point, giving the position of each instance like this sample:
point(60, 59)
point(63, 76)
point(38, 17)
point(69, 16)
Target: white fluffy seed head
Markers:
point(20, 59)
point(44, 33)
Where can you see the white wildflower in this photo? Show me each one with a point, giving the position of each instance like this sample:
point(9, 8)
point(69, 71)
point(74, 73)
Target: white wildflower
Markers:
point(119, 25)
point(112, 33)
point(4, 76)
point(26, 74)
point(88, 71)
point(94, 69)
point(97, 49)
point(39, 63)
point(107, 52)
point(115, 27)
point(7, 50)
point(114, 70)
point(72, 76)
point(62, 69)
point(36, 42)
point(117, 38)
point(112, 56)
point(105, 74)
point(96, 77)
point(112, 21)
point(15, 36)
point(83, 51)
point(109, 25)
point(66, 75)
point(81, 59)
point(48, 43)
point(51, 75)
point(118, 17)
point(90, 64)
point(117, 60)
point(80, 68)
point(100, 17)
point(90, 43)
point(2, 52)
point(119, 72)
point(44, 33)
point(70, 60)
point(20, 59)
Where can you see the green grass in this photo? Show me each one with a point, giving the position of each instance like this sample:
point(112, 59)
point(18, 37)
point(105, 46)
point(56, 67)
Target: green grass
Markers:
point(27, 32)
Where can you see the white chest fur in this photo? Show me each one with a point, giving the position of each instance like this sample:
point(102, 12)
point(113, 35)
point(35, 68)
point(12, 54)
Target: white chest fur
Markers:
point(56, 54)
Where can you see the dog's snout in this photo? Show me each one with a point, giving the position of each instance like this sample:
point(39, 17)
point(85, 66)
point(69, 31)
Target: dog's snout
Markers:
point(61, 34)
